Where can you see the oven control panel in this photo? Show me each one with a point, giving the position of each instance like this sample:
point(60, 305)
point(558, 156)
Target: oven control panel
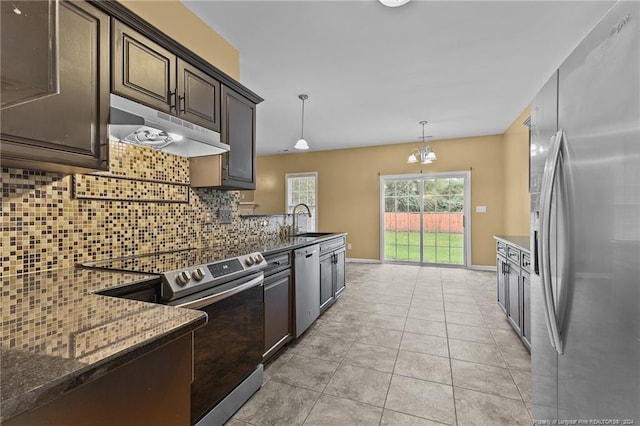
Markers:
point(220, 269)
point(176, 284)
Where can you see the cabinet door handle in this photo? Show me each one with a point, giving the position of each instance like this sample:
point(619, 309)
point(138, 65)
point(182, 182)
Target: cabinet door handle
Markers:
point(277, 262)
point(181, 104)
point(172, 100)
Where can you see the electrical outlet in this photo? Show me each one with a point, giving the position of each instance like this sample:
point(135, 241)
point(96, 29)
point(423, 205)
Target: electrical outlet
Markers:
point(225, 216)
point(481, 209)
point(208, 218)
point(348, 246)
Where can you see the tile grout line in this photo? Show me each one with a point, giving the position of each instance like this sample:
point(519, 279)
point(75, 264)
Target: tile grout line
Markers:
point(328, 381)
point(395, 361)
point(343, 363)
point(424, 380)
point(453, 388)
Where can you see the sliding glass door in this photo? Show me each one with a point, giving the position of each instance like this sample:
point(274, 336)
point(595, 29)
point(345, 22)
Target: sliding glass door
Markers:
point(423, 218)
point(401, 220)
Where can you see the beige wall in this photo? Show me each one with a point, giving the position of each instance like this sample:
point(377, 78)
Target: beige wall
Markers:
point(516, 172)
point(178, 22)
point(349, 187)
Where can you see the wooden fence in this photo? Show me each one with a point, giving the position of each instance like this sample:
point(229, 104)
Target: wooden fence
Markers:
point(432, 222)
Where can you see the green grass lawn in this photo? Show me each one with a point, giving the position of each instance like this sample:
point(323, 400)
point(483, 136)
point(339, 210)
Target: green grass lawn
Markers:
point(438, 247)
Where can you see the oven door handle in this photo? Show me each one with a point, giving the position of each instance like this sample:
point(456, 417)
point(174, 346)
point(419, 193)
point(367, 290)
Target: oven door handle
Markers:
point(196, 304)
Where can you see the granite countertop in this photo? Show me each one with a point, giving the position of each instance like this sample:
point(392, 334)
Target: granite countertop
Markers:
point(57, 334)
point(523, 242)
point(290, 243)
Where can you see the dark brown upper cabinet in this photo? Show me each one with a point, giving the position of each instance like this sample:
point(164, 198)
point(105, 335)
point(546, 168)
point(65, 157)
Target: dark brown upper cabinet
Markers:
point(198, 96)
point(239, 132)
point(66, 132)
point(29, 66)
point(148, 73)
point(142, 70)
point(235, 169)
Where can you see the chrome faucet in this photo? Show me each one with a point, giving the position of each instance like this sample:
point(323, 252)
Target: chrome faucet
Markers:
point(295, 227)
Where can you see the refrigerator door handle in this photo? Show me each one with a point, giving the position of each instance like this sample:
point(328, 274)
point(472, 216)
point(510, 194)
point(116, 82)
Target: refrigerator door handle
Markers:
point(548, 179)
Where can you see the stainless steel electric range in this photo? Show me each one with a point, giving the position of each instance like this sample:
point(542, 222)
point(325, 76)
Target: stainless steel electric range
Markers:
point(228, 286)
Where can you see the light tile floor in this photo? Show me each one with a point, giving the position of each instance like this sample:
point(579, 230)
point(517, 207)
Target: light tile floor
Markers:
point(403, 345)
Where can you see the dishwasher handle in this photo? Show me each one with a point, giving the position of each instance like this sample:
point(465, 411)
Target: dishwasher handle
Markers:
point(306, 253)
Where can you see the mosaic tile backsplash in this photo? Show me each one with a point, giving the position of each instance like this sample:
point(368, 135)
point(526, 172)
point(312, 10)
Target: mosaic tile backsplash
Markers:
point(44, 227)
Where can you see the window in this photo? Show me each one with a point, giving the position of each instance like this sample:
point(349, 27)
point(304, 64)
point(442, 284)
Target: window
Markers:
point(303, 188)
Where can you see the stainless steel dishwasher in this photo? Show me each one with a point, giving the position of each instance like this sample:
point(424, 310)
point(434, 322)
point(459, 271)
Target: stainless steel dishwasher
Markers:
point(307, 275)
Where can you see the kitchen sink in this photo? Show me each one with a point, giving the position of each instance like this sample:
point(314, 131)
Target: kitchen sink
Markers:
point(313, 234)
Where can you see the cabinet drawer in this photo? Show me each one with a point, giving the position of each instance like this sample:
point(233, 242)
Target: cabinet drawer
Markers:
point(525, 262)
point(332, 245)
point(501, 248)
point(513, 254)
point(277, 262)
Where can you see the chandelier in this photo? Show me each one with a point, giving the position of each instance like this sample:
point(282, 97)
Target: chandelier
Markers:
point(425, 154)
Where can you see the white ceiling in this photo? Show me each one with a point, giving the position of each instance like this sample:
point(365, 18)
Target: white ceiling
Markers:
point(372, 73)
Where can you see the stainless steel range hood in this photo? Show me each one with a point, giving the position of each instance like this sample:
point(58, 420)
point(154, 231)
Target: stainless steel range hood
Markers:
point(138, 124)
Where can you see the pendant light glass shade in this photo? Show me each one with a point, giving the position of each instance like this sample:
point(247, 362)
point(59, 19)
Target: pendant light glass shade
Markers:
point(431, 155)
point(394, 3)
point(302, 144)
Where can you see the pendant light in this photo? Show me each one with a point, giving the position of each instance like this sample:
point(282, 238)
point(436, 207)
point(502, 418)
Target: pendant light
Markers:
point(425, 154)
point(302, 144)
point(394, 3)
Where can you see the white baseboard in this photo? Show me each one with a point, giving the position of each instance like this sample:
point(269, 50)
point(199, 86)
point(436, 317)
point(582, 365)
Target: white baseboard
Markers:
point(356, 260)
point(488, 268)
point(484, 268)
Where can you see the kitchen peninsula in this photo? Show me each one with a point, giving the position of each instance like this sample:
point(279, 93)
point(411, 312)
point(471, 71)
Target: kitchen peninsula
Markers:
point(66, 333)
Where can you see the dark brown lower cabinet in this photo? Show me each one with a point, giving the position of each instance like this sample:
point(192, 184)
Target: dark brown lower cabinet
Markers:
point(66, 132)
point(326, 281)
point(141, 392)
point(278, 326)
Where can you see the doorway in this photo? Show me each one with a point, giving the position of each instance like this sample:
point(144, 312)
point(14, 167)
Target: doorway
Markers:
point(424, 218)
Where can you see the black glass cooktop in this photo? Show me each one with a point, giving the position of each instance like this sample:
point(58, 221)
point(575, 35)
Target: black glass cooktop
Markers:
point(159, 263)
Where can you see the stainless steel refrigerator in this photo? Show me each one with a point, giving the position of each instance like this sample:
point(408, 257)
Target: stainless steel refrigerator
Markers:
point(585, 229)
